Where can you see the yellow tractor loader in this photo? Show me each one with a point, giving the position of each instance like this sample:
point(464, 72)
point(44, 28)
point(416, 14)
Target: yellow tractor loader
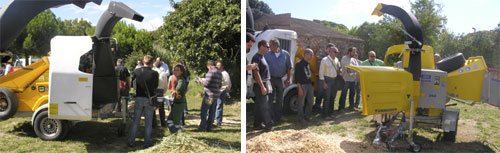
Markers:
point(417, 93)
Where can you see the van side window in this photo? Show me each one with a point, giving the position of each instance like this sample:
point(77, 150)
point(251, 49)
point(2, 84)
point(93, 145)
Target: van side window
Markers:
point(86, 62)
point(285, 44)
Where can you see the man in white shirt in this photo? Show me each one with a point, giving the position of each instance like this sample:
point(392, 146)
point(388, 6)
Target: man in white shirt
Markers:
point(162, 84)
point(349, 78)
point(225, 90)
point(163, 66)
point(328, 71)
point(356, 62)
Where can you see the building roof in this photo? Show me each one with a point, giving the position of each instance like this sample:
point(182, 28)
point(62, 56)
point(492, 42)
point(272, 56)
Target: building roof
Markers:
point(301, 26)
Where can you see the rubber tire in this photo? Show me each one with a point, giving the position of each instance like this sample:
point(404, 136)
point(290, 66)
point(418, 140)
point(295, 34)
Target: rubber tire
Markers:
point(12, 103)
point(291, 96)
point(60, 132)
point(417, 149)
point(450, 136)
point(451, 63)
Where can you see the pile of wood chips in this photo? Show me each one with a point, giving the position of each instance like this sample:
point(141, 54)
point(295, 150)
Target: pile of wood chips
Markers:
point(291, 141)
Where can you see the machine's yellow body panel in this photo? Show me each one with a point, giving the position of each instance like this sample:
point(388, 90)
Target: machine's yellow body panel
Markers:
point(384, 89)
point(427, 57)
point(466, 82)
point(30, 86)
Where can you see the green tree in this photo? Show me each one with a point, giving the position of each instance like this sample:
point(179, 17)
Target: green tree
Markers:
point(34, 40)
point(76, 27)
point(202, 30)
point(333, 25)
point(259, 8)
point(431, 21)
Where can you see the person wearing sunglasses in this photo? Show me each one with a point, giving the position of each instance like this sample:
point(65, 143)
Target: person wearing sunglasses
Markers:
point(372, 60)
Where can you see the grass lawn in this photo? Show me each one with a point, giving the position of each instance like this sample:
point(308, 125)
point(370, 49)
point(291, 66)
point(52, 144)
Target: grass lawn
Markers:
point(478, 130)
point(17, 135)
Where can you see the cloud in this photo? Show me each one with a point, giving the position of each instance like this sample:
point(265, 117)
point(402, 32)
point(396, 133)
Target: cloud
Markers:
point(89, 9)
point(149, 25)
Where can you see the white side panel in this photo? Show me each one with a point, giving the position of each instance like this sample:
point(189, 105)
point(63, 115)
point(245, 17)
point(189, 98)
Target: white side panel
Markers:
point(70, 90)
point(268, 35)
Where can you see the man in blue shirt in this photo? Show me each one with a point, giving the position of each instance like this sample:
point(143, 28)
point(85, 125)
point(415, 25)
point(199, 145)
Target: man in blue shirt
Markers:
point(279, 65)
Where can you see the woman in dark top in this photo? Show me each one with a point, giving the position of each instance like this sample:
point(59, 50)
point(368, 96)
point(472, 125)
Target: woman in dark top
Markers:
point(179, 94)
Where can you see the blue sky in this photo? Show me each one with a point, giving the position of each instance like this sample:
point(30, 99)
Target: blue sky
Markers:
point(462, 15)
point(152, 10)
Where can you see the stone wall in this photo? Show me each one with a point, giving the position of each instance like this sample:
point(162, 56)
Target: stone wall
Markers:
point(318, 45)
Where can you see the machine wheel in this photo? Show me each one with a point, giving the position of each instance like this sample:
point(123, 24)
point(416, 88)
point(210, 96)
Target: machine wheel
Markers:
point(8, 103)
point(290, 102)
point(416, 148)
point(451, 63)
point(50, 129)
point(450, 136)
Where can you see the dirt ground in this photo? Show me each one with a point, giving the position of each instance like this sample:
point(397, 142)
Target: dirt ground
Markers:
point(352, 132)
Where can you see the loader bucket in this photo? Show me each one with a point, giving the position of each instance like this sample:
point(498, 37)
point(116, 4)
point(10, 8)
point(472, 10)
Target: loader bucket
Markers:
point(384, 89)
point(466, 82)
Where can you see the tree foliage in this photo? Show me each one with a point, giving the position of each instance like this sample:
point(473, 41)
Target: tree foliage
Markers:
point(76, 27)
point(333, 25)
point(35, 38)
point(259, 8)
point(202, 30)
point(430, 19)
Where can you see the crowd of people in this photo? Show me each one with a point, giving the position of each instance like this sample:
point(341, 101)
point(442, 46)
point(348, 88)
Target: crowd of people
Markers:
point(154, 75)
point(271, 72)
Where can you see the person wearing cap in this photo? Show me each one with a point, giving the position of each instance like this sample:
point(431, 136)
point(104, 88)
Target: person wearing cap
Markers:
point(280, 66)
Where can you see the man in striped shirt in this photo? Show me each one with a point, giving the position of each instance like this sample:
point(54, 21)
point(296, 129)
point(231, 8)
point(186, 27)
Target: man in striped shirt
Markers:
point(328, 71)
point(212, 84)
